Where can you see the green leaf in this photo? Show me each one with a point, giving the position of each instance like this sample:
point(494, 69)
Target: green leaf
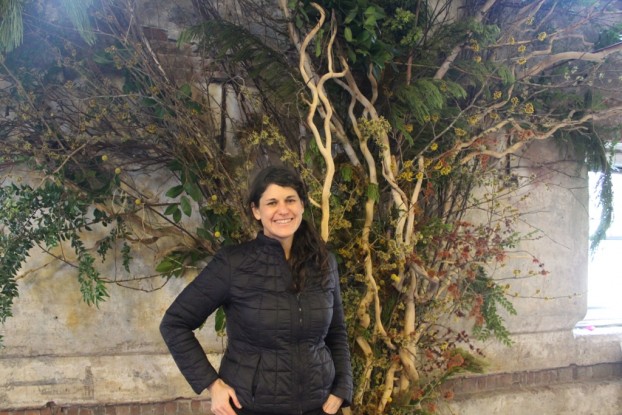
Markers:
point(372, 192)
point(171, 209)
point(193, 190)
point(186, 91)
point(166, 265)
point(175, 191)
point(347, 34)
point(177, 216)
point(186, 207)
point(220, 322)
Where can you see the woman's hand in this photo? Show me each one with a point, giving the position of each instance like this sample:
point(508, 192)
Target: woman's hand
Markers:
point(221, 394)
point(332, 404)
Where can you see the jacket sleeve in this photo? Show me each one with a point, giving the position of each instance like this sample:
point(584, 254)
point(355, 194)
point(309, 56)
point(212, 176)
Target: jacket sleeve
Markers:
point(191, 308)
point(337, 341)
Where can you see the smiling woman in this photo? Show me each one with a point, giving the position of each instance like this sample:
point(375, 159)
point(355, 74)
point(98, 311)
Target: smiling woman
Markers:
point(287, 349)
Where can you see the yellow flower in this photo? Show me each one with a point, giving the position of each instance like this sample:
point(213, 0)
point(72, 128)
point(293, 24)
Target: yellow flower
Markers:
point(541, 36)
point(395, 277)
point(477, 59)
point(459, 132)
point(529, 109)
point(426, 118)
point(217, 234)
point(151, 128)
point(497, 95)
point(214, 198)
point(473, 119)
point(117, 170)
point(514, 100)
point(445, 170)
point(433, 146)
point(419, 175)
point(138, 202)
point(408, 128)
point(512, 40)
point(522, 48)
point(529, 20)
point(104, 157)
point(438, 165)
point(494, 115)
point(436, 117)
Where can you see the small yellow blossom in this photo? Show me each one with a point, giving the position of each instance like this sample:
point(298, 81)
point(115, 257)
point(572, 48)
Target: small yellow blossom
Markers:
point(104, 157)
point(138, 202)
point(514, 100)
point(433, 146)
point(426, 118)
point(474, 46)
point(474, 119)
point(522, 48)
point(436, 117)
point(530, 20)
point(529, 109)
point(151, 128)
point(214, 198)
point(438, 165)
point(512, 40)
point(427, 162)
point(459, 132)
point(494, 115)
point(117, 170)
point(541, 36)
point(395, 277)
point(408, 128)
point(217, 234)
point(419, 175)
point(497, 95)
point(445, 170)
point(477, 59)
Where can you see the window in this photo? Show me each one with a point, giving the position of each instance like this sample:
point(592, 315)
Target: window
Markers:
point(605, 266)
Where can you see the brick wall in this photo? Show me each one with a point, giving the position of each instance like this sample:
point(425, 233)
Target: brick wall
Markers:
point(461, 387)
point(176, 407)
point(498, 382)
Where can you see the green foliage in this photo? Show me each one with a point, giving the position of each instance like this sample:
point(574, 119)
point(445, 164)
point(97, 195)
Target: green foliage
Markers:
point(489, 297)
point(45, 216)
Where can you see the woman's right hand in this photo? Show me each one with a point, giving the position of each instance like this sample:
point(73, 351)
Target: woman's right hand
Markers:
point(221, 395)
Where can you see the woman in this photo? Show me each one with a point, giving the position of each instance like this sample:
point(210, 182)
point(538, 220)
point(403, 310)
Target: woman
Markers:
point(287, 349)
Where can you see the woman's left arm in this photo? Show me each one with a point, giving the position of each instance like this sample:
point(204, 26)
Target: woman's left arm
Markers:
point(337, 341)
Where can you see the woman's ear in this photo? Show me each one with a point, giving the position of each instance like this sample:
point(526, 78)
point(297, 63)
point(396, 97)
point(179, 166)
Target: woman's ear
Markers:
point(255, 211)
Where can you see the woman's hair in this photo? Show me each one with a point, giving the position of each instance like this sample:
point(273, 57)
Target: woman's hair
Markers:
point(309, 256)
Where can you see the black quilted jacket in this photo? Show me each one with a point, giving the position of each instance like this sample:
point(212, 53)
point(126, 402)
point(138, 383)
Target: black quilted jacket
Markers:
point(286, 351)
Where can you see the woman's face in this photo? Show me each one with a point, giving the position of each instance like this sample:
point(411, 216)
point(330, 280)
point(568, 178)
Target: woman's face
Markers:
point(280, 212)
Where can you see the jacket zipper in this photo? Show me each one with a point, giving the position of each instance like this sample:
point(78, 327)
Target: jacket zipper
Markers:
point(300, 328)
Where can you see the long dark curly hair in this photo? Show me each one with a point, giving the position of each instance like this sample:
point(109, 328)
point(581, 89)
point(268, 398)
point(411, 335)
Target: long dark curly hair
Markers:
point(309, 255)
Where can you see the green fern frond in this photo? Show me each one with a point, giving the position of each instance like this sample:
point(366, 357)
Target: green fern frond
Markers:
point(11, 24)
